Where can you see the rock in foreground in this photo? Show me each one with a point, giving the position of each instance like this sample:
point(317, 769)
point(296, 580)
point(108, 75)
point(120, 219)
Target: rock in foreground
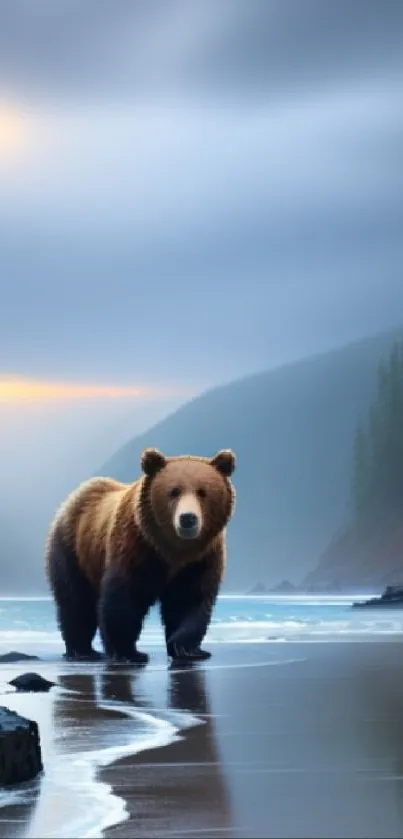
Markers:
point(20, 749)
point(31, 682)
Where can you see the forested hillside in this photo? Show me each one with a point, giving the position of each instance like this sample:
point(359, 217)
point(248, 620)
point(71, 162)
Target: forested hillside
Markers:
point(368, 551)
point(292, 430)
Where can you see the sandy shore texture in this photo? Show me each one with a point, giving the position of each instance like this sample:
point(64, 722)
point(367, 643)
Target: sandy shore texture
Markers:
point(265, 740)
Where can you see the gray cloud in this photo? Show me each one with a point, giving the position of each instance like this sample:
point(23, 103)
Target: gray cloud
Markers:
point(230, 170)
point(223, 306)
point(126, 49)
point(150, 163)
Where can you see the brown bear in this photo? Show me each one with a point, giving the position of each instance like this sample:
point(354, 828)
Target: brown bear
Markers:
point(114, 550)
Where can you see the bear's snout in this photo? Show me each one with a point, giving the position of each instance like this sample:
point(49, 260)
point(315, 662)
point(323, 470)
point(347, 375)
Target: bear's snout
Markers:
point(188, 519)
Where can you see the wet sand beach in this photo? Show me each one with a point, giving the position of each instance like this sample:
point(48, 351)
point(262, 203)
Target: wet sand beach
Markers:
point(266, 740)
point(300, 740)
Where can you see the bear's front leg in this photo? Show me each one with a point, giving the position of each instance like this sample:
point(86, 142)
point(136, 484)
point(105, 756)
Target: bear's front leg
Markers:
point(186, 608)
point(123, 605)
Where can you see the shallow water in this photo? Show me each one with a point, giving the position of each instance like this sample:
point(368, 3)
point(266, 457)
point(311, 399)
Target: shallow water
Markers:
point(30, 623)
point(94, 717)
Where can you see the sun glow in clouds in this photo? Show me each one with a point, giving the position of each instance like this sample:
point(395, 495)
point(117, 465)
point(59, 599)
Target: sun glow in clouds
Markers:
point(21, 390)
point(15, 130)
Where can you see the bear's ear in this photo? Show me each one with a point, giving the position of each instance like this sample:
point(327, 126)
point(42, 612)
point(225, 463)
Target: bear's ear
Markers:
point(152, 461)
point(224, 462)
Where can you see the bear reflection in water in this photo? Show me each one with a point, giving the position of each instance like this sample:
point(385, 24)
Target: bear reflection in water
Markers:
point(185, 775)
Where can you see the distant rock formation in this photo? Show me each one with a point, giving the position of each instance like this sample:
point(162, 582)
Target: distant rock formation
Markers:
point(13, 655)
point(20, 749)
point(285, 587)
point(259, 588)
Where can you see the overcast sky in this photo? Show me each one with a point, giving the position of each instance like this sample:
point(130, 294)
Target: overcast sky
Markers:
point(203, 189)
point(189, 191)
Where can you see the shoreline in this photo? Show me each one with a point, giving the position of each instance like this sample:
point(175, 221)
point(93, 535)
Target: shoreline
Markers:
point(72, 777)
point(143, 749)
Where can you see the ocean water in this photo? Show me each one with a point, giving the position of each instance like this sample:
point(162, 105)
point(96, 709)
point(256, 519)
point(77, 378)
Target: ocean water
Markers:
point(30, 623)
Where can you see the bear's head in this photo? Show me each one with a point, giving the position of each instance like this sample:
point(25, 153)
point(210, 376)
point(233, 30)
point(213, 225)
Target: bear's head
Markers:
point(186, 501)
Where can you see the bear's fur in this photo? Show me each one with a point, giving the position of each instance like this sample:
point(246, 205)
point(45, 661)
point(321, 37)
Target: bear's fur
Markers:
point(114, 549)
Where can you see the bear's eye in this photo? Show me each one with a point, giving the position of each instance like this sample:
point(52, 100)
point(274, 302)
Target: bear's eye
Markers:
point(201, 492)
point(175, 492)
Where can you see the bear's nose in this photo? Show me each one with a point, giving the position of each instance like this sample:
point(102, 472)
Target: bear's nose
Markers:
point(187, 521)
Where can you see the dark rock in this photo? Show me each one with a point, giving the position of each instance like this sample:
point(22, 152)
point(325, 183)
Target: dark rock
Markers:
point(392, 596)
point(31, 682)
point(12, 656)
point(20, 748)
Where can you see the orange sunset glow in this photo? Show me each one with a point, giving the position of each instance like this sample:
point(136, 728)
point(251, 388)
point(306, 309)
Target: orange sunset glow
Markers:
point(15, 131)
point(22, 390)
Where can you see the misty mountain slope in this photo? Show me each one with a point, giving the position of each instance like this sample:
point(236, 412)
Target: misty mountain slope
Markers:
point(292, 430)
point(368, 551)
point(364, 562)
